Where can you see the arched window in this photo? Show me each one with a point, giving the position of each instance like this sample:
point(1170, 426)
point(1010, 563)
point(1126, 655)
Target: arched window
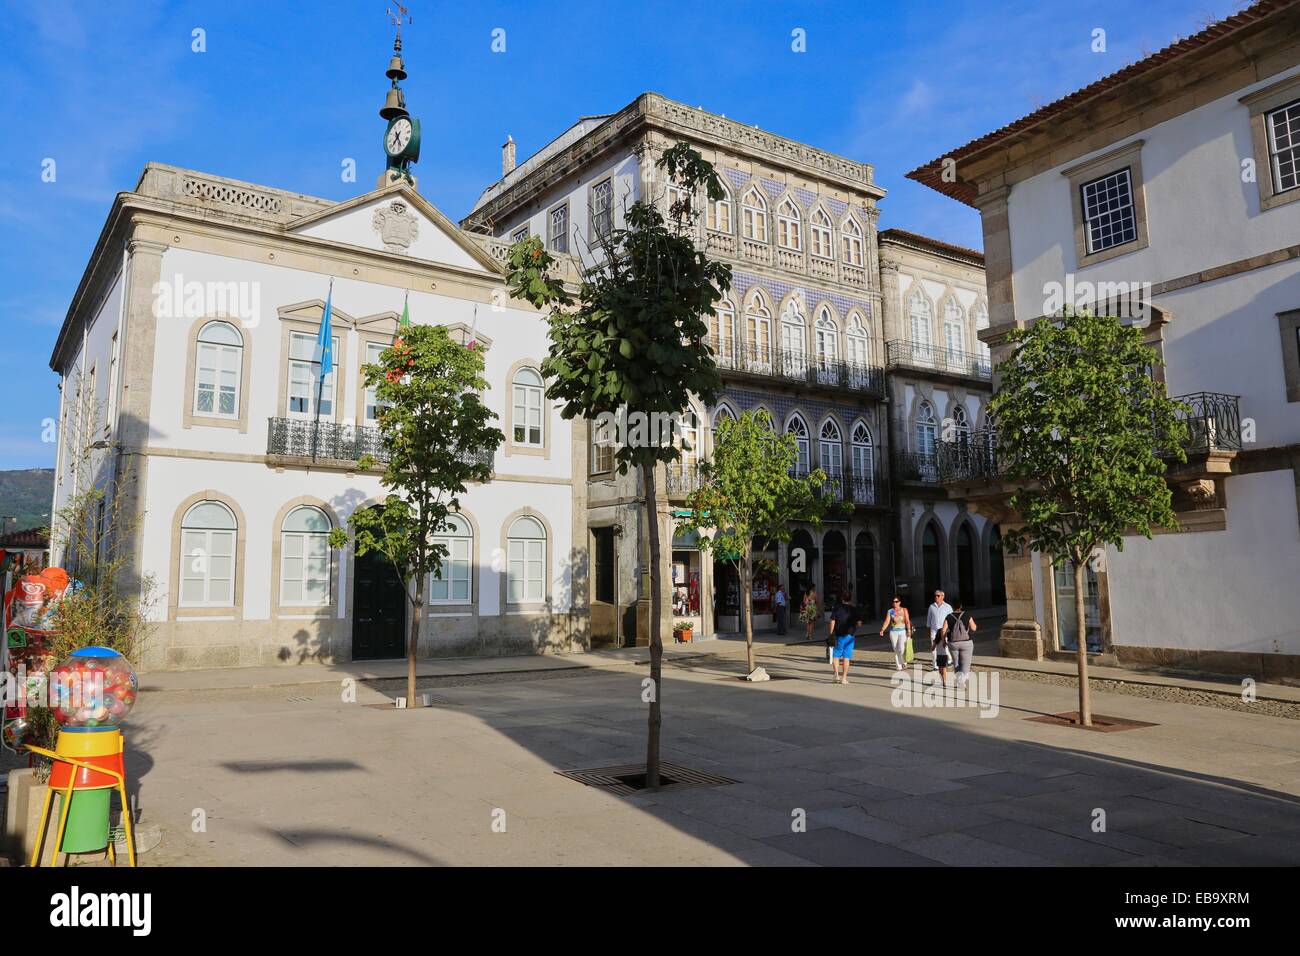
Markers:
point(305, 557)
point(826, 340)
point(220, 355)
point(208, 556)
point(796, 427)
point(851, 241)
point(753, 215)
point(794, 333)
point(920, 314)
point(527, 408)
point(961, 425)
point(863, 463)
point(954, 331)
point(451, 585)
point(859, 343)
point(926, 430)
point(990, 436)
point(719, 215)
point(689, 441)
point(789, 225)
point(820, 229)
point(830, 449)
point(758, 335)
point(526, 561)
point(722, 333)
point(724, 412)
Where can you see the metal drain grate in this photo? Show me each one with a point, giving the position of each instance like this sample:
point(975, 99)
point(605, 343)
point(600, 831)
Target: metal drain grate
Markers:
point(629, 779)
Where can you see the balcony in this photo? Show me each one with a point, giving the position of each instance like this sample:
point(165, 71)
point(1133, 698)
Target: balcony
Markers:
point(1214, 433)
point(863, 490)
point(683, 478)
point(934, 358)
point(299, 441)
point(796, 366)
point(920, 467)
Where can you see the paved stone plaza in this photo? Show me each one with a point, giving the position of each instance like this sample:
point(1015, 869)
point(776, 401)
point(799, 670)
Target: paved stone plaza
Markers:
point(291, 775)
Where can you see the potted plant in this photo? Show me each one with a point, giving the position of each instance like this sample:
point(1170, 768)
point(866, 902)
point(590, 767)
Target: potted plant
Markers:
point(682, 630)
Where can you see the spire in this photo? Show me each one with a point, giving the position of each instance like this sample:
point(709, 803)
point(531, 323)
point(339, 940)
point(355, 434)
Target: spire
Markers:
point(395, 101)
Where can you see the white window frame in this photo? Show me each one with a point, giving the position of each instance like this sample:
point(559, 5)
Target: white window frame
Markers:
point(753, 216)
point(558, 241)
point(532, 406)
point(328, 392)
point(1115, 217)
point(525, 554)
point(830, 449)
point(719, 215)
point(1291, 113)
point(797, 427)
point(601, 215)
point(197, 550)
point(821, 230)
point(303, 540)
point(851, 241)
point(458, 563)
point(789, 226)
point(226, 358)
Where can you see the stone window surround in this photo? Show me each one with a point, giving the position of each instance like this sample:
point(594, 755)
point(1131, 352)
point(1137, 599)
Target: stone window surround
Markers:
point(710, 212)
point(472, 606)
point(504, 576)
point(290, 324)
point(236, 608)
point(508, 447)
point(762, 211)
point(1260, 103)
point(1289, 328)
point(381, 330)
point(325, 611)
point(591, 209)
point(846, 236)
point(1129, 155)
point(1051, 638)
point(190, 418)
point(568, 227)
point(797, 220)
point(597, 470)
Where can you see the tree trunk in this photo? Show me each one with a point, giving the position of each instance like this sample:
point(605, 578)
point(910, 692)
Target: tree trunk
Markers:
point(656, 639)
point(413, 641)
point(746, 596)
point(1081, 623)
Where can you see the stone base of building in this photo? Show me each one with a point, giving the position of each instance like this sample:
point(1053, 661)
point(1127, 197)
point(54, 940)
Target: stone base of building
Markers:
point(198, 644)
point(1021, 639)
point(1264, 667)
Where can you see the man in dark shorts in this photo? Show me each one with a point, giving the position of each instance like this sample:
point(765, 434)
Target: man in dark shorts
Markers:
point(844, 622)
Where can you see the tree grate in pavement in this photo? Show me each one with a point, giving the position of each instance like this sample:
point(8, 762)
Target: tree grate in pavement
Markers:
point(1100, 722)
point(629, 779)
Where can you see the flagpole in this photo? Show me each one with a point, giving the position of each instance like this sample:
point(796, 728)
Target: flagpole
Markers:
point(325, 345)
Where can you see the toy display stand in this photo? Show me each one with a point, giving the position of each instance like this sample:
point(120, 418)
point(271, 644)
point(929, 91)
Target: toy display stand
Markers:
point(86, 767)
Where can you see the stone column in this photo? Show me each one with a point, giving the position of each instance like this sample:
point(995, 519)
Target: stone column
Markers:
point(1022, 635)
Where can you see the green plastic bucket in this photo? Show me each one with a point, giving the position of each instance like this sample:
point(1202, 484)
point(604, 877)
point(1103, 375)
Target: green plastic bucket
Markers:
point(87, 829)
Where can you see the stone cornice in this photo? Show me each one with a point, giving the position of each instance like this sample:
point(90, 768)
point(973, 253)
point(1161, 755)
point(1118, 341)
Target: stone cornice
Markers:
point(653, 111)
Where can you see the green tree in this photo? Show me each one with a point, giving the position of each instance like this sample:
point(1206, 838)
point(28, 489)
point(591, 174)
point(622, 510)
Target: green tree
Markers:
point(632, 342)
point(1082, 427)
point(748, 492)
point(438, 437)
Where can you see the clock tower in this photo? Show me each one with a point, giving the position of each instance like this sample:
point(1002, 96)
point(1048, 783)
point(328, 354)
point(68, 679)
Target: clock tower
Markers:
point(402, 134)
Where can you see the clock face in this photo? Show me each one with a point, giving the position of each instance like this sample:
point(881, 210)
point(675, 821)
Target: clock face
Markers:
point(398, 136)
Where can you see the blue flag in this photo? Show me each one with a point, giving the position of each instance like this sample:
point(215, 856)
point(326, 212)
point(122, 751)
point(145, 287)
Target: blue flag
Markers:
point(325, 340)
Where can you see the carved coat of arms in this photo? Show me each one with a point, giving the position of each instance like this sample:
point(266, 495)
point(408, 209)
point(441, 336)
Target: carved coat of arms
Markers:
point(397, 226)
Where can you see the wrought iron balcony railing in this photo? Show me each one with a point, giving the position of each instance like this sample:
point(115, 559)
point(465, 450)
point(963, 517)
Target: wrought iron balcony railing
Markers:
point(331, 441)
point(1213, 425)
point(683, 477)
point(917, 466)
point(937, 358)
point(1213, 421)
point(797, 366)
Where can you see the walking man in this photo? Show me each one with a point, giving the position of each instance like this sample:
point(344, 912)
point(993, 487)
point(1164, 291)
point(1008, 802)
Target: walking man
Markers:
point(779, 602)
point(935, 615)
point(844, 622)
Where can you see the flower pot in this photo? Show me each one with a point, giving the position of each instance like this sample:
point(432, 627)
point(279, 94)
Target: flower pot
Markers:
point(682, 634)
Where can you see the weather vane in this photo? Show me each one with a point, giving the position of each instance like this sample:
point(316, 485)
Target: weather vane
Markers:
point(402, 14)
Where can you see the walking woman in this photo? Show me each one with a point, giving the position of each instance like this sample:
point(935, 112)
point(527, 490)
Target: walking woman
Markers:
point(958, 630)
point(899, 623)
point(809, 611)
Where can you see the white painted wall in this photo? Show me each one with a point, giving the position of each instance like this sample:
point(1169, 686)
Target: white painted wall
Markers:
point(624, 169)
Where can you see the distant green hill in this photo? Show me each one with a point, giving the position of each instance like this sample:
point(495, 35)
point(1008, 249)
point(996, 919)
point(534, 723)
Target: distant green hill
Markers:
point(26, 494)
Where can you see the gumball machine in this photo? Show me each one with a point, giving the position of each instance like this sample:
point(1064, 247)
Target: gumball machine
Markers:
point(90, 695)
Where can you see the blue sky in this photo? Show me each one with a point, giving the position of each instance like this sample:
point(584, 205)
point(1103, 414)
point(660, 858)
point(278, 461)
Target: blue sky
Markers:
point(286, 91)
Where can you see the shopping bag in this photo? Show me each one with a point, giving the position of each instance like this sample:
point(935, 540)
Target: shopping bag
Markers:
point(908, 652)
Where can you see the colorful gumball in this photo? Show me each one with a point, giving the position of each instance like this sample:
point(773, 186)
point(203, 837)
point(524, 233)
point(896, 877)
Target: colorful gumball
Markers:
point(95, 688)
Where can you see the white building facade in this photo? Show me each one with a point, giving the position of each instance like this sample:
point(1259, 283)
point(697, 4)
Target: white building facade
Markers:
point(1173, 185)
point(186, 372)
